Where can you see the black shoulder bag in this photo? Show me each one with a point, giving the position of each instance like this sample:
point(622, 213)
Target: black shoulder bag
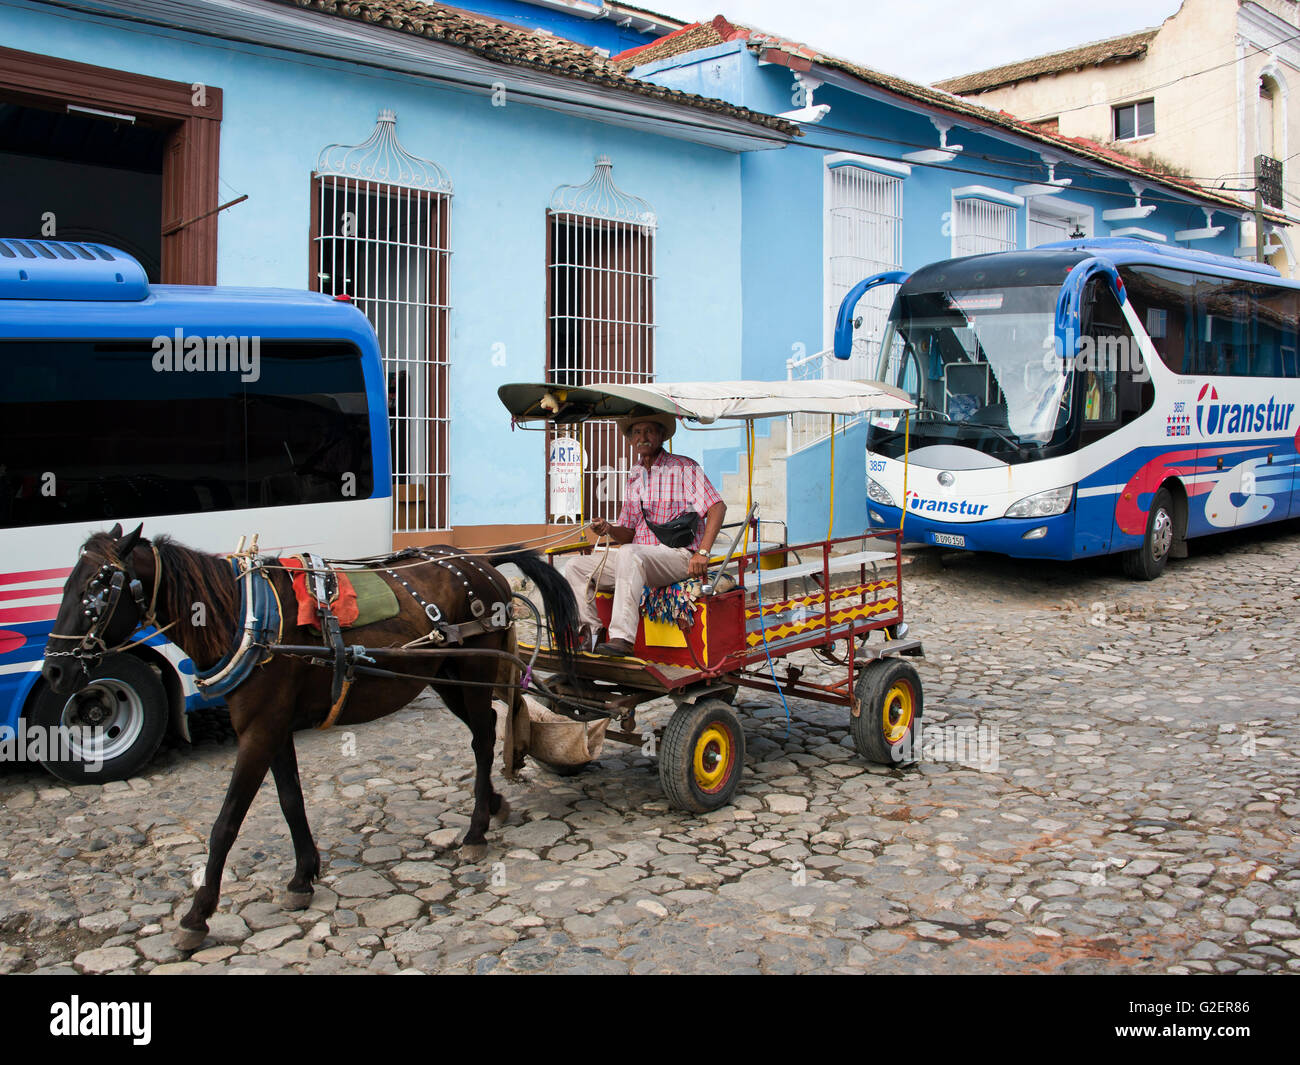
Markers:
point(679, 532)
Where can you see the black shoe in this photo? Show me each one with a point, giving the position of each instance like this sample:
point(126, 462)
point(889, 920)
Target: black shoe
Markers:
point(615, 649)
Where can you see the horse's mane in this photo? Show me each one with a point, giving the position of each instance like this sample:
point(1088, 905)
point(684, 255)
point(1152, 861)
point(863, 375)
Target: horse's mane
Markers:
point(188, 577)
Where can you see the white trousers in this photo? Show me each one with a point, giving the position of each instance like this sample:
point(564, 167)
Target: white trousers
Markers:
point(627, 570)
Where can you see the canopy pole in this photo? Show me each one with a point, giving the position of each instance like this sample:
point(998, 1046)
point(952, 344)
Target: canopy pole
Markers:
point(830, 525)
point(907, 427)
point(749, 478)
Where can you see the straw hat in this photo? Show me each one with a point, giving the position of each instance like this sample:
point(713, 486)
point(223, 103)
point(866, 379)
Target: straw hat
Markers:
point(665, 421)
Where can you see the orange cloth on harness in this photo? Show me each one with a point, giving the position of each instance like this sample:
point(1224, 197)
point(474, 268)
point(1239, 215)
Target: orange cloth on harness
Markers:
point(343, 605)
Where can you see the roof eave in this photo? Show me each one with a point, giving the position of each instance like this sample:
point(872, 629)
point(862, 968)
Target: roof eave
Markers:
point(288, 28)
point(834, 75)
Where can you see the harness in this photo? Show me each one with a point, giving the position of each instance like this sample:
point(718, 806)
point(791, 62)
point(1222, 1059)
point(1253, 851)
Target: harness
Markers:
point(99, 602)
point(262, 624)
point(452, 561)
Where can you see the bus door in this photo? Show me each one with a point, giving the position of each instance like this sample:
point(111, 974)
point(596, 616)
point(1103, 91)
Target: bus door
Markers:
point(1112, 390)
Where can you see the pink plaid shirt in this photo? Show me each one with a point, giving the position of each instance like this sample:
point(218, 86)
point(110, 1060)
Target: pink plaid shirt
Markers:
point(673, 484)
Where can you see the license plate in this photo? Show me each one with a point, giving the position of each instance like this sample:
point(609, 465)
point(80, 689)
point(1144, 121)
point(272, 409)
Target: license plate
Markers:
point(949, 540)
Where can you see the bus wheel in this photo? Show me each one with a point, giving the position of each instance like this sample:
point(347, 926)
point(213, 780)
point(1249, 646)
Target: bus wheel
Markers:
point(110, 728)
point(1148, 561)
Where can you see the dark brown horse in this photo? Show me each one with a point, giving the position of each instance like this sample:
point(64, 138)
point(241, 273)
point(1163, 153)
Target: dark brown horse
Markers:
point(120, 579)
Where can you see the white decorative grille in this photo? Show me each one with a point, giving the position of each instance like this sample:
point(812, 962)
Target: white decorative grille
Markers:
point(865, 216)
point(982, 226)
point(600, 313)
point(382, 237)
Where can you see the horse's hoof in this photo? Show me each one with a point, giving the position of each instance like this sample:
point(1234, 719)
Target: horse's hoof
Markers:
point(188, 939)
point(503, 812)
point(295, 900)
point(473, 852)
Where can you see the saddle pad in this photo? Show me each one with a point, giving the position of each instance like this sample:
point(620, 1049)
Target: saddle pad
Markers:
point(363, 597)
point(376, 600)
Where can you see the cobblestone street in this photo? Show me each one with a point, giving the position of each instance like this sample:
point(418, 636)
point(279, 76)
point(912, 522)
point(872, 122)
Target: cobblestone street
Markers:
point(1128, 804)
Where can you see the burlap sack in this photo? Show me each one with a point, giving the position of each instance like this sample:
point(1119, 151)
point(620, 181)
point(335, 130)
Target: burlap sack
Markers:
point(553, 738)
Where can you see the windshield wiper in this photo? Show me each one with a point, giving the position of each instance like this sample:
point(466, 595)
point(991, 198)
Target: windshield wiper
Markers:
point(997, 432)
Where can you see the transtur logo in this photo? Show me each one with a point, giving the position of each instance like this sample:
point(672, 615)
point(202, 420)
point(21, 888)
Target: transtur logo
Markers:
point(943, 506)
point(1215, 417)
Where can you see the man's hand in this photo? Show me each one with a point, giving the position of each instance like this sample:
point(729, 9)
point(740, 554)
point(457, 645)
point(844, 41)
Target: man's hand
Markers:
point(698, 567)
point(618, 533)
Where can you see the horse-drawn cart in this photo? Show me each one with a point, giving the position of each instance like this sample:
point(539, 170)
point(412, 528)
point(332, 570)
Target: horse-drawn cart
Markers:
point(761, 604)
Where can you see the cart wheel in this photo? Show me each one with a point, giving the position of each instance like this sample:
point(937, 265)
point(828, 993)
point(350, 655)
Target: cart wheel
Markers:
point(890, 702)
point(702, 756)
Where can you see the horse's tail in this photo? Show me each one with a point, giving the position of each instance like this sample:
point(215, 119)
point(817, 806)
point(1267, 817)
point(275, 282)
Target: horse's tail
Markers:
point(557, 598)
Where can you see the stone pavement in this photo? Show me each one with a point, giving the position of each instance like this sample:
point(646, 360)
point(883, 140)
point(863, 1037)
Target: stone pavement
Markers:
point(1108, 784)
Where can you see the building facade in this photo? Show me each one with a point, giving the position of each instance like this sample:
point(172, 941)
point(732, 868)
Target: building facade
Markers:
point(504, 205)
point(1202, 94)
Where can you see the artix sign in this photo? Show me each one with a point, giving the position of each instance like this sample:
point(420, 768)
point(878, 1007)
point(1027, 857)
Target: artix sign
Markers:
point(1214, 417)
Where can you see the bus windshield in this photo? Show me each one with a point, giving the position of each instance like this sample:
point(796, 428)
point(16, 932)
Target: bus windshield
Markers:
point(980, 365)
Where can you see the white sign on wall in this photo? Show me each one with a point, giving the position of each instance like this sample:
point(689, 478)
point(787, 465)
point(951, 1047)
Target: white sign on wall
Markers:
point(564, 465)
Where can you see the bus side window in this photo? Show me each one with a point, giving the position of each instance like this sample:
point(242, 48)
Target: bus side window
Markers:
point(1275, 333)
point(1163, 302)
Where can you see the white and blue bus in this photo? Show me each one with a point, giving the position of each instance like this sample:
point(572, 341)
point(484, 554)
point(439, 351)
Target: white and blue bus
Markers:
point(1086, 398)
point(205, 413)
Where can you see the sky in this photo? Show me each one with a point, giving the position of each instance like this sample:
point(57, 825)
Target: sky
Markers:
point(928, 40)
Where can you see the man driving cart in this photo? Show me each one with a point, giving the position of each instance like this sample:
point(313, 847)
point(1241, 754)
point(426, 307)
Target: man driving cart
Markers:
point(665, 531)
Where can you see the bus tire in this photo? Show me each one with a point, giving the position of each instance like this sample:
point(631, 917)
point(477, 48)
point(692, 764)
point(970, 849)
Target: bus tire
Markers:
point(124, 698)
point(1148, 561)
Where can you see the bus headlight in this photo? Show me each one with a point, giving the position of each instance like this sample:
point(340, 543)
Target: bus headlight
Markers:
point(877, 494)
point(1043, 504)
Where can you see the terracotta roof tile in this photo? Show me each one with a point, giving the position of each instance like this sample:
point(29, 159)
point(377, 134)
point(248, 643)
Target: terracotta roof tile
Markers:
point(800, 56)
point(503, 43)
point(1112, 50)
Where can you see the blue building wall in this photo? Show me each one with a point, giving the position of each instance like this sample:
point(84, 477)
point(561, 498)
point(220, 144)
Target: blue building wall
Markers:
point(505, 162)
point(783, 267)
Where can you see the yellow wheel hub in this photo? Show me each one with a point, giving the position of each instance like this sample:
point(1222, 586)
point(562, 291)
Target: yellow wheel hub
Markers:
point(896, 715)
point(713, 755)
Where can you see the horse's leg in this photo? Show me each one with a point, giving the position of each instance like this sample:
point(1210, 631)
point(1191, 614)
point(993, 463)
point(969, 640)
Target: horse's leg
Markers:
point(284, 767)
point(474, 707)
point(251, 763)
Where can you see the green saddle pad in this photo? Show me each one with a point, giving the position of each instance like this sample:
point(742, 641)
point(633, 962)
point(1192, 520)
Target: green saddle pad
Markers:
point(376, 600)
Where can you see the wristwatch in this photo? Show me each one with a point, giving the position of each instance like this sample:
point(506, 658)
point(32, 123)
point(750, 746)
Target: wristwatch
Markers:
point(701, 551)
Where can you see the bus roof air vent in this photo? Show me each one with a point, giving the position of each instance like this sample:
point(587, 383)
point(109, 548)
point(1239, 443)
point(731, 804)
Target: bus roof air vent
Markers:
point(68, 270)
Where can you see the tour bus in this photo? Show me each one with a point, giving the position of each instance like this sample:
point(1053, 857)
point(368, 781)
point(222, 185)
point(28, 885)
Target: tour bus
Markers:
point(1086, 398)
point(205, 413)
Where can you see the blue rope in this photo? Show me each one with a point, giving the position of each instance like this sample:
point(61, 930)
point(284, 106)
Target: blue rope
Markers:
point(762, 629)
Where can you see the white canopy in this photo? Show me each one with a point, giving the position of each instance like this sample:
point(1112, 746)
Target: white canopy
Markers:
point(704, 401)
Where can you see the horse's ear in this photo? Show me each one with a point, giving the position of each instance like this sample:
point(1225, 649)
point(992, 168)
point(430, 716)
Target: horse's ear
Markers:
point(115, 531)
point(128, 542)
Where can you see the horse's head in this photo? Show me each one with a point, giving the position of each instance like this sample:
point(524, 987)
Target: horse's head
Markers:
point(103, 604)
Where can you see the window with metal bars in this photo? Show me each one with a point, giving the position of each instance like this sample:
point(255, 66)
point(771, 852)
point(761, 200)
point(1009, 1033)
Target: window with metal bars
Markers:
point(982, 226)
point(864, 237)
point(600, 327)
point(387, 247)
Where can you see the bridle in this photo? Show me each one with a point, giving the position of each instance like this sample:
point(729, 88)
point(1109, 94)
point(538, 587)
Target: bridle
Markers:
point(99, 602)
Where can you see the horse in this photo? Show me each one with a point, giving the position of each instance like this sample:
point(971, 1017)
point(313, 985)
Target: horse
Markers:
point(289, 692)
